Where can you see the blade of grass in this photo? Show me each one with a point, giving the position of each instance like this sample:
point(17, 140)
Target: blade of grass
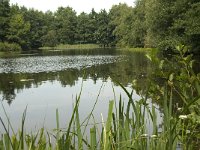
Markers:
point(131, 101)
point(78, 130)
point(7, 142)
point(93, 140)
point(22, 129)
point(7, 132)
point(108, 125)
point(4, 110)
point(72, 117)
point(91, 112)
point(57, 124)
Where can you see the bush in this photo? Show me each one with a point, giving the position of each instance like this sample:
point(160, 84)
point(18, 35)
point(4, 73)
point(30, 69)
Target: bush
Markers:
point(7, 47)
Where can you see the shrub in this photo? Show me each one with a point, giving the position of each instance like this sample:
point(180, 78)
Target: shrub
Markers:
point(7, 47)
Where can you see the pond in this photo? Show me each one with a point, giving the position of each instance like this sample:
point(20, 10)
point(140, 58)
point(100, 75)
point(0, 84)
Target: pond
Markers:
point(44, 82)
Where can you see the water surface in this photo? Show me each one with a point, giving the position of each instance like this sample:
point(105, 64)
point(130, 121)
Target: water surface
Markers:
point(45, 82)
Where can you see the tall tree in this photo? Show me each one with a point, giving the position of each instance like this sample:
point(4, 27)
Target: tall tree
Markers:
point(186, 25)
point(172, 22)
point(38, 26)
point(83, 31)
point(92, 26)
point(4, 18)
point(18, 29)
point(103, 33)
point(121, 19)
point(159, 18)
point(66, 23)
point(138, 25)
point(50, 37)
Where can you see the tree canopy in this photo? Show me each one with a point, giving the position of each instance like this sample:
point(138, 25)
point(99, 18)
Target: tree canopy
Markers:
point(150, 23)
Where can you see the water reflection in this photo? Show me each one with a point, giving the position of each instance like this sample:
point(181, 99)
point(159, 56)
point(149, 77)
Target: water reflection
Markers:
point(47, 82)
point(67, 70)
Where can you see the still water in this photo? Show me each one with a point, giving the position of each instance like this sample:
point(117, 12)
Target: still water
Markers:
point(46, 82)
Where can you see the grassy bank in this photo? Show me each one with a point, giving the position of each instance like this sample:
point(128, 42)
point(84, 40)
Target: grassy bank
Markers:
point(138, 49)
point(145, 50)
point(2, 53)
point(91, 46)
point(71, 47)
point(9, 47)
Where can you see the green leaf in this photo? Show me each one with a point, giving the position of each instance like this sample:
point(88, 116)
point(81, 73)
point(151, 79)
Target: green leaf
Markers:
point(93, 140)
point(108, 126)
point(171, 77)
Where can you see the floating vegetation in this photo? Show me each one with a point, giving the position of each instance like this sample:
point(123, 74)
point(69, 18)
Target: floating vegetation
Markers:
point(35, 64)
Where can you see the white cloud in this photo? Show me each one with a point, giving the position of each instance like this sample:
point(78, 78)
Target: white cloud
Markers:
point(77, 5)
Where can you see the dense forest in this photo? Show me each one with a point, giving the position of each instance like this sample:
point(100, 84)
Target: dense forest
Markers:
point(150, 23)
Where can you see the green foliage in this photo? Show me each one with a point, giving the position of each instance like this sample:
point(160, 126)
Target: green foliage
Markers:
point(138, 26)
point(18, 30)
point(103, 33)
point(66, 23)
point(129, 24)
point(150, 23)
point(50, 39)
point(179, 93)
point(4, 19)
point(121, 20)
point(92, 26)
point(171, 23)
point(187, 24)
point(9, 47)
point(84, 29)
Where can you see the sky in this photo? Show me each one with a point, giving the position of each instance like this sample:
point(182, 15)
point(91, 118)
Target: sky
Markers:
point(78, 5)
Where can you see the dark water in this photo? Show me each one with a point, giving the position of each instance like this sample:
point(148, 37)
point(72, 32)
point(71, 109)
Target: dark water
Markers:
point(45, 82)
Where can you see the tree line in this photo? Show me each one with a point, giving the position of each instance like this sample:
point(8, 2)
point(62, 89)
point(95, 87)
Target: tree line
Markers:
point(150, 23)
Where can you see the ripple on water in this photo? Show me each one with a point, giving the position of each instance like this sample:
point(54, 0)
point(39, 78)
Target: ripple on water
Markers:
point(35, 64)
